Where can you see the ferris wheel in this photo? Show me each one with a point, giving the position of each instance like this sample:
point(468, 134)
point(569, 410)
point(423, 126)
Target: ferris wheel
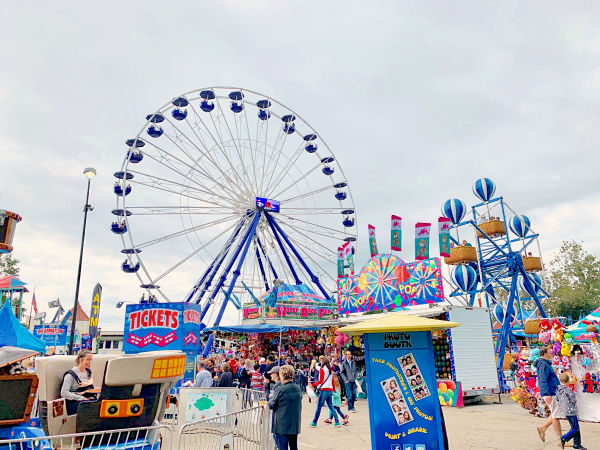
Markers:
point(224, 191)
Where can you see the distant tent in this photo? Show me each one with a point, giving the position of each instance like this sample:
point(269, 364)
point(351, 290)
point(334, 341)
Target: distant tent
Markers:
point(578, 329)
point(13, 334)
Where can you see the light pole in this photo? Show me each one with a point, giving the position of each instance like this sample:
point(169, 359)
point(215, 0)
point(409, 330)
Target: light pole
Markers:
point(90, 173)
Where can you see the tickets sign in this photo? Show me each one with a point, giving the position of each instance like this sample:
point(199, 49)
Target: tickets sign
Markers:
point(161, 326)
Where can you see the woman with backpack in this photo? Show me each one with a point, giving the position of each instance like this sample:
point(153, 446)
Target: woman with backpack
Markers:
point(325, 382)
point(77, 381)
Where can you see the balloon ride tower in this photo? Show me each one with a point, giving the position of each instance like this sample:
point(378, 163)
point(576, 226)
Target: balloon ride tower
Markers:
point(500, 270)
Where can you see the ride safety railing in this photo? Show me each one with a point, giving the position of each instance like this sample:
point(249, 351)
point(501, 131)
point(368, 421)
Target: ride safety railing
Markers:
point(248, 429)
point(143, 438)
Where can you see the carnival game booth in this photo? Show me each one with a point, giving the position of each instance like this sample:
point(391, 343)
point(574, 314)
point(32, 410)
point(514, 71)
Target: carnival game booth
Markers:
point(132, 391)
point(17, 388)
point(151, 327)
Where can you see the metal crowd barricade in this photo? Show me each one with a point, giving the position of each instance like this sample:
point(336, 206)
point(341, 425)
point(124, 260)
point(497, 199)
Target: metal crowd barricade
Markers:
point(144, 438)
point(250, 398)
point(248, 429)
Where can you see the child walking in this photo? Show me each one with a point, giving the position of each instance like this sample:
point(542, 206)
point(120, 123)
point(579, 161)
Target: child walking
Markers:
point(566, 399)
point(336, 401)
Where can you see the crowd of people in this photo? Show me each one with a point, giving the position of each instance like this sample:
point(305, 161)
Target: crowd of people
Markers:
point(282, 382)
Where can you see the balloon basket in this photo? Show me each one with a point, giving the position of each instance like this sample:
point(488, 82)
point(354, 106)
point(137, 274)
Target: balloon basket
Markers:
point(492, 228)
point(532, 263)
point(462, 254)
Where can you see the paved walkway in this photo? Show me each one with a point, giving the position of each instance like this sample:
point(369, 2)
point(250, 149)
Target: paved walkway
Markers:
point(484, 426)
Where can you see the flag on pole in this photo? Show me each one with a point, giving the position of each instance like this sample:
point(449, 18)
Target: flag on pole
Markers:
point(422, 230)
point(340, 262)
point(34, 304)
point(444, 235)
point(396, 235)
point(372, 241)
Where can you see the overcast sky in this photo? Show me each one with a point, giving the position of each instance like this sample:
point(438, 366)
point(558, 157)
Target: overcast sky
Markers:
point(416, 99)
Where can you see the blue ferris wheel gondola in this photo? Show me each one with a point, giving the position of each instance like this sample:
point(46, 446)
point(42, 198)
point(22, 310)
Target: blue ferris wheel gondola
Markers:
point(131, 251)
point(155, 131)
point(289, 126)
point(465, 277)
point(310, 146)
point(118, 189)
point(484, 189)
point(207, 105)
point(327, 170)
point(127, 268)
point(118, 227)
point(454, 209)
point(137, 143)
point(263, 109)
point(520, 225)
point(237, 105)
point(340, 195)
point(179, 113)
point(348, 221)
point(135, 156)
point(121, 175)
point(121, 212)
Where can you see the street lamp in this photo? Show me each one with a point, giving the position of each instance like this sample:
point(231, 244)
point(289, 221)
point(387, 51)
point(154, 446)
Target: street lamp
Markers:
point(90, 173)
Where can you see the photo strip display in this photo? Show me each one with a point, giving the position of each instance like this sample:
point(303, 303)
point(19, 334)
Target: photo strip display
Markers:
point(414, 377)
point(396, 401)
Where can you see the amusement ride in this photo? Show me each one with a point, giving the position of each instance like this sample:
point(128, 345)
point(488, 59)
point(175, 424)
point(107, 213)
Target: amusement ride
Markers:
point(236, 188)
point(500, 271)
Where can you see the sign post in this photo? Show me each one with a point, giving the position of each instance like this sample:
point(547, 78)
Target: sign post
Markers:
point(404, 409)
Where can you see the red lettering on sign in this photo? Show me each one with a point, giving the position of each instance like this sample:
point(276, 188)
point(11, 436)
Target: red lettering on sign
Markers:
point(160, 320)
point(152, 318)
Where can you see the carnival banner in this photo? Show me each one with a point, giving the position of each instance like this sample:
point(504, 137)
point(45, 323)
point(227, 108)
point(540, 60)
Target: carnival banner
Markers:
point(349, 257)
point(396, 233)
point(372, 241)
point(422, 230)
point(444, 236)
point(340, 262)
point(387, 282)
point(95, 310)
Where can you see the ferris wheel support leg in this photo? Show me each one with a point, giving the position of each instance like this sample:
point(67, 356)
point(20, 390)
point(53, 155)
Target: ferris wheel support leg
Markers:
point(237, 271)
point(267, 258)
point(225, 272)
point(505, 330)
point(313, 277)
point(217, 266)
point(282, 247)
point(262, 269)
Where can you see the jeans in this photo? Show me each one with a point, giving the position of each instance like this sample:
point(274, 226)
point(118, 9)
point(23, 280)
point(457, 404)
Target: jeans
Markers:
point(325, 397)
point(286, 441)
point(573, 433)
point(351, 394)
point(339, 411)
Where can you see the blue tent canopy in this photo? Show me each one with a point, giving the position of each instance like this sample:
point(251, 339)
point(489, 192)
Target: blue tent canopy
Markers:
point(13, 334)
point(261, 328)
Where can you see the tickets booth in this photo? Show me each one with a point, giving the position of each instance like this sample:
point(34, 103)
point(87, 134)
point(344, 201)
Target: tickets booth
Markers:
point(404, 409)
point(163, 326)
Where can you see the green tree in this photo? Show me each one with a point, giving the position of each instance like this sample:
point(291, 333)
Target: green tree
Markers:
point(9, 265)
point(574, 281)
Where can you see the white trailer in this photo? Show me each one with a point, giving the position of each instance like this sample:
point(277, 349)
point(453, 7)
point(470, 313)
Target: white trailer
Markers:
point(472, 348)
